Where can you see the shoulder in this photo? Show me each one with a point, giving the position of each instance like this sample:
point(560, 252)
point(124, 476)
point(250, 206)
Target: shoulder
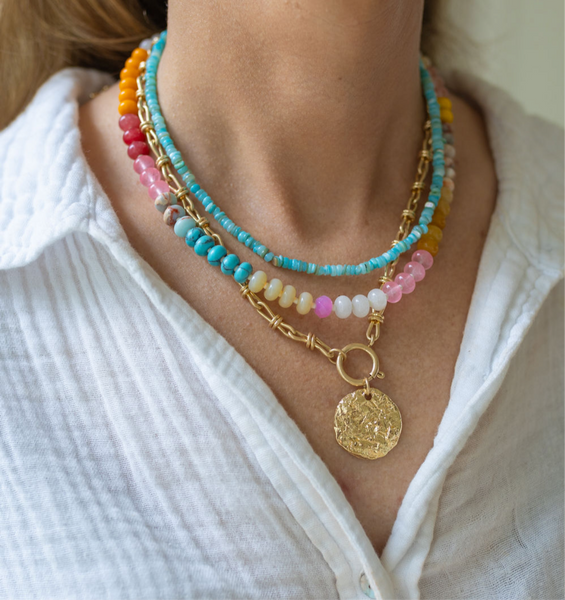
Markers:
point(528, 159)
point(42, 171)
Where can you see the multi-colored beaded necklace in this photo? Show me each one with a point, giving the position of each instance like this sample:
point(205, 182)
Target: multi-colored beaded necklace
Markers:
point(367, 423)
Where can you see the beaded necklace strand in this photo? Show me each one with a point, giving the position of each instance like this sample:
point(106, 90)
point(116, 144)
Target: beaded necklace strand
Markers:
point(367, 423)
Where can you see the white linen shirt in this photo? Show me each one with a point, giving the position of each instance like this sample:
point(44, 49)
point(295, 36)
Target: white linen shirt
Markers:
point(141, 457)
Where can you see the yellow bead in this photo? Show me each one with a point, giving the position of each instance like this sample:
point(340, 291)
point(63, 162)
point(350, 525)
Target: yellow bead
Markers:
point(429, 244)
point(128, 94)
point(443, 207)
point(127, 107)
point(257, 281)
point(435, 233)
point(438, 220)
point(274, 289)
point(446, 194)
point(446, 115)
point(305, 303)
point(444, 102)
point(288, 296)
point(129, 83)
point(139, 54)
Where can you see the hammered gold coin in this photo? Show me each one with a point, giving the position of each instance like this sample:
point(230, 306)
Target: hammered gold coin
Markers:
point(367, 426)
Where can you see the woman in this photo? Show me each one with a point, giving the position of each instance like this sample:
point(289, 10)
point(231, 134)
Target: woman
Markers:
point(158, 438)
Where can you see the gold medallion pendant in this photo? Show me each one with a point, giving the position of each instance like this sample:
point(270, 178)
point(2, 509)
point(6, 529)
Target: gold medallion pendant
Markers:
point(367, 425)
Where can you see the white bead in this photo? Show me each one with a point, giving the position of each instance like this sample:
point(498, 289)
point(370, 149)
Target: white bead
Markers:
point(360, 305)
point(343, 307)
point(377, 299)
point(146, 44)
point(257, 281)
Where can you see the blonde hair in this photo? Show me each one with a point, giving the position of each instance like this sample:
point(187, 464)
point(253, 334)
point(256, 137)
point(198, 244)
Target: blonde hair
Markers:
point(40, 37)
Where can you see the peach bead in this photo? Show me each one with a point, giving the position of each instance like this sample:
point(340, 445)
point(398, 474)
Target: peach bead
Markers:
point(128, 94)
point(446, 194)
point(274, 289)
point(305, 303)
point(448, 183)
point(287, 297)
point(428, 244)
point(129, 83)
point(435, 233)
point(127, 107)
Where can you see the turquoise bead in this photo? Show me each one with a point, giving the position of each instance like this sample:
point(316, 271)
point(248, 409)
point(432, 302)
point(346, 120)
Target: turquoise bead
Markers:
point(203, 245)
point(243, 272)
point(193, 236)
point(192, 239)
point(183, 225)
point(229, 263)
point(216, 254)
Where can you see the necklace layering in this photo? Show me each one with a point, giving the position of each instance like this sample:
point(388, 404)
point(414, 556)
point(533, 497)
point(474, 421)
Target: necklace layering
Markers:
point(367, 422)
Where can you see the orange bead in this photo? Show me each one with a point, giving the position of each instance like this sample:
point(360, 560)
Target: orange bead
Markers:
point(446, 194)
point(129, 73)
point(132, 64)
point(128, 83)
point(444, 102)
point(127, 107)
point(128, 94)
point(446, 115)
point(139, 54)
point(438, 220)
point(443, 207)
point(429, 244)
point(435, 233)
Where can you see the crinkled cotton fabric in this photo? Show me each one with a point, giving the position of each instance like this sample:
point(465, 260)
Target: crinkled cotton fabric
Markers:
point(141, 457)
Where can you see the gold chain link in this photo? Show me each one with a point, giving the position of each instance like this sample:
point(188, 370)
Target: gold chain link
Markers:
point(276, 322)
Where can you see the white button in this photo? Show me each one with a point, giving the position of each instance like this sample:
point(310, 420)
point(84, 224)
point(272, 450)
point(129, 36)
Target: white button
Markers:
point(364, 583)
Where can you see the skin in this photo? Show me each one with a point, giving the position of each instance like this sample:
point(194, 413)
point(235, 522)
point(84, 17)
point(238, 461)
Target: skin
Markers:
point(304, 119)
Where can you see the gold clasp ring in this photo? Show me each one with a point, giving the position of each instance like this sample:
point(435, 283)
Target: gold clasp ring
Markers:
point(343, 355)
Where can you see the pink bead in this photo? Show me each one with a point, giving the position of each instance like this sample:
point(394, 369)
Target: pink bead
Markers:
point(128, 122)
point(448, 183)
point(393, 291)
point(149, 176)
point(323, 307)
point(143, 162)
point(406, 282)
point(416, 270)
point(424, 258)
point(137, 148)
point(159, 187)
point(133, 135)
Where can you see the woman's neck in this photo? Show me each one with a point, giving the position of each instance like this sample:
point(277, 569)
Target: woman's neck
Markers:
point(311, 110)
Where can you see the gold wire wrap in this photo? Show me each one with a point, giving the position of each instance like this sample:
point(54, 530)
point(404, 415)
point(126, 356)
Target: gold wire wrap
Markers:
point(276, 322)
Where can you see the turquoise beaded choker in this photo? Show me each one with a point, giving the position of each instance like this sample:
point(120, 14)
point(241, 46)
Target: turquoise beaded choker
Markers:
point(294, 264)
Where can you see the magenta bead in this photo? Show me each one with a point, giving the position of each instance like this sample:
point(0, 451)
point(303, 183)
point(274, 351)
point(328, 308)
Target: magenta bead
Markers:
point(128, 122)
point(133, 135)
point(149, 176)
point(323, 307)
point(406, 282)
point(159, 187)
point(424, 258)
point(416, 270)
point(142, 163)
point(393, 291)
point(137, 148)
